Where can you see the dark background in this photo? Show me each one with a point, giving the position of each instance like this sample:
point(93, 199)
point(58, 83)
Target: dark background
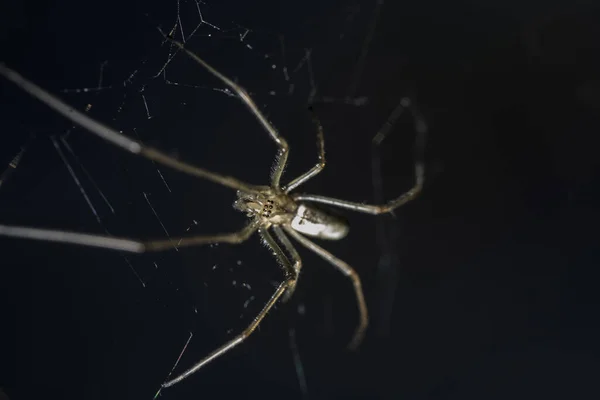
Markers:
point(485, 287)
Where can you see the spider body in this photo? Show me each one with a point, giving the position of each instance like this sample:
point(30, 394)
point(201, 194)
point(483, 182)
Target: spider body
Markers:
point(273, 211)
point(270, 208)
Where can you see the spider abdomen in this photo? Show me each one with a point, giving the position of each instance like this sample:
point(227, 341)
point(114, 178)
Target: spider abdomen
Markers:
point(317, 223)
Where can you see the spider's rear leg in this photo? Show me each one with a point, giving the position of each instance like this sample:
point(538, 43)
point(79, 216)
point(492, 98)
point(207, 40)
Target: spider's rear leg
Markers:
point(294, 256)
point(421, 133)
point(347, 270)
point(289, 281)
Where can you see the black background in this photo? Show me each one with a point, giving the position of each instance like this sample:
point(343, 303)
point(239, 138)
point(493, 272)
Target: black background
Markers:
point(491, 291)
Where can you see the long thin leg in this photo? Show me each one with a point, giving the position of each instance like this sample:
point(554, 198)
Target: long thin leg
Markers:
point(371, 208)
point(119, 139)
point(282, 156)
point(281, 289)
point(347, 270)
point(289, 247)
point(421, 129)
point(320, 163)
point(122, 244)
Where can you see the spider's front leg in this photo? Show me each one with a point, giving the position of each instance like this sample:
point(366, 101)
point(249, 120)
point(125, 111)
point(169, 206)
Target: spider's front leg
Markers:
point(282, 154)
point(288, 282)
point(118, 139)
point(123, 244)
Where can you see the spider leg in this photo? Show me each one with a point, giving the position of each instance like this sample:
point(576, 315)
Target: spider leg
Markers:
point(119, 139)
point(123, 244)
point(421, 129)
point(347, 270)
point(290, 278)
point(289, 247)
point(282, 155)
point(320, 163)
point(371, 208)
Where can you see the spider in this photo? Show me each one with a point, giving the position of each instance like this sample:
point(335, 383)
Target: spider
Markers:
point(273, 211)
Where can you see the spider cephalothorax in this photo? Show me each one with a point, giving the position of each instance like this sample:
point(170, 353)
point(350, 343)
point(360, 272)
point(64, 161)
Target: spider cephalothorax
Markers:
point(267, 205)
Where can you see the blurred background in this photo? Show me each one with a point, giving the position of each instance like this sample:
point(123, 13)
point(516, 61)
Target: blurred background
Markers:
point(483, 287)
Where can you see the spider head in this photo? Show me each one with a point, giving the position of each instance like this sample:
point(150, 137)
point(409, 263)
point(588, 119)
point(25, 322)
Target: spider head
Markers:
point(265, 205)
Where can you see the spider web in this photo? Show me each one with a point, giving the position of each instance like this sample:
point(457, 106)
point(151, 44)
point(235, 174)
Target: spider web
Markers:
point(120, 320)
